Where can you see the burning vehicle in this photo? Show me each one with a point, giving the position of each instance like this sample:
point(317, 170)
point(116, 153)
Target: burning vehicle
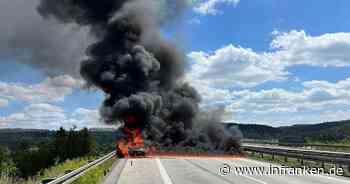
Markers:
point(132, 144)
point(137, 151)
point(141, 74)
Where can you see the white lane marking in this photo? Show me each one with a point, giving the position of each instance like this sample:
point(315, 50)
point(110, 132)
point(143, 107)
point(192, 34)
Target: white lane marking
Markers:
point(163, 173)
point(249, 177)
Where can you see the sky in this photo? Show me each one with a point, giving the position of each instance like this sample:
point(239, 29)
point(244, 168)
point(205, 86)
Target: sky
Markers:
point(266, 61)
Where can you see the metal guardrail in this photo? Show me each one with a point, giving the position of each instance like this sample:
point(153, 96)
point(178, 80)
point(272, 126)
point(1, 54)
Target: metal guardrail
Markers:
point(313, 155)
point(70, 177)
point(299, 144)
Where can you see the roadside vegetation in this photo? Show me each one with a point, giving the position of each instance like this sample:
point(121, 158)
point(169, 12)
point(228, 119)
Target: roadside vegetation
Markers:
point(47, 173)
point(29, 163)
point(96, 175)
point(63, 167)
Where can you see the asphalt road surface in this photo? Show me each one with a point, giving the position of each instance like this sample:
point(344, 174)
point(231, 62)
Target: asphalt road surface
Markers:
point(211, 171)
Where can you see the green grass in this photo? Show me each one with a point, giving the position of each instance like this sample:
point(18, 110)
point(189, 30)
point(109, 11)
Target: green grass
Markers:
point(61, 168)
point(47, 173)
point(95, 175)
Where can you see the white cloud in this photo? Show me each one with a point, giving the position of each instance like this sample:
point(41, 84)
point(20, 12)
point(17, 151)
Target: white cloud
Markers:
point(296, 47)
point(52, 89)
point(209, 7)
point(231, 65)
point(217, 75)
point(46, 116)
point(87, 117)
point(39, 116)
point(318, 101)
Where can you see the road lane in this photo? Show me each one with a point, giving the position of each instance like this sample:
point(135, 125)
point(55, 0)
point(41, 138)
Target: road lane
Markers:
point(213, 167)
point(140, 171)
point(163, 172)
point(307, 179)
point(270, 179)
point(206, 171)
point(114, 175)
point(286, 179)
point(182, 172)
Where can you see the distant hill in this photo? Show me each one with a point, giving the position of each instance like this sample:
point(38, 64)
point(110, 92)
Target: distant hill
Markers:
point(255, 131)
point(14, 137)
point(322, 132)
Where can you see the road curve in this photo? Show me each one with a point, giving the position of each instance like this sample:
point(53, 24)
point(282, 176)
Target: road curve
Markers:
point(205, 171)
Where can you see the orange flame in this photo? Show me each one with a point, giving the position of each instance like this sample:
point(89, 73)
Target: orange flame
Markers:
point(134, 140)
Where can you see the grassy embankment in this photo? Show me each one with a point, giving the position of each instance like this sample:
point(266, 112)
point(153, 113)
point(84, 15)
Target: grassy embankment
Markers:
point(47, 173)
point(95, 175)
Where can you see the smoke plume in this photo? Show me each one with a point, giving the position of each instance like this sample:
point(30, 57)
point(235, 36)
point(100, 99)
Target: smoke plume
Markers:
point(140, 72)
point(51, 47)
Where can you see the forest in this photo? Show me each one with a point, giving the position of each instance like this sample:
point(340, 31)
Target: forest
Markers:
point(38, 150)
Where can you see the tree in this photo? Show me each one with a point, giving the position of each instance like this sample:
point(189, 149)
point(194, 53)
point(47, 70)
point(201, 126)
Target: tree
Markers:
point(3, 155)
point(7, 166)
point(73, 144)
point(65, 145)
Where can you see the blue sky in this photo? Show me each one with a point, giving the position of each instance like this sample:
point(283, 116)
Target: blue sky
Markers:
point(267, 61)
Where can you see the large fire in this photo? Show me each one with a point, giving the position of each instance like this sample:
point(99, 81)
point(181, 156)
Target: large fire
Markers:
point(133, 144)
point(133, 140)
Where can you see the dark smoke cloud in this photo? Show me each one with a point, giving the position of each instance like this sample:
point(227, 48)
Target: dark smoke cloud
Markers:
point(49, 46)
point(140, 72)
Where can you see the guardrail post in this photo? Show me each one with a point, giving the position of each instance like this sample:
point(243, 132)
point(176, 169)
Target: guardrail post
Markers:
point(285, 159)
point(262, 155)
point(273, 156)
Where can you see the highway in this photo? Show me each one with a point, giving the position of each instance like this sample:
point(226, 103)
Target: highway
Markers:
point(186, 170)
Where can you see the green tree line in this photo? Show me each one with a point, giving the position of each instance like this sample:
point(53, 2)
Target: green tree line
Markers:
point(28, 159)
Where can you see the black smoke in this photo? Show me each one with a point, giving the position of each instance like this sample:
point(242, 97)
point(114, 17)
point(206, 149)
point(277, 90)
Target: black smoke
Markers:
point(140, 72)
